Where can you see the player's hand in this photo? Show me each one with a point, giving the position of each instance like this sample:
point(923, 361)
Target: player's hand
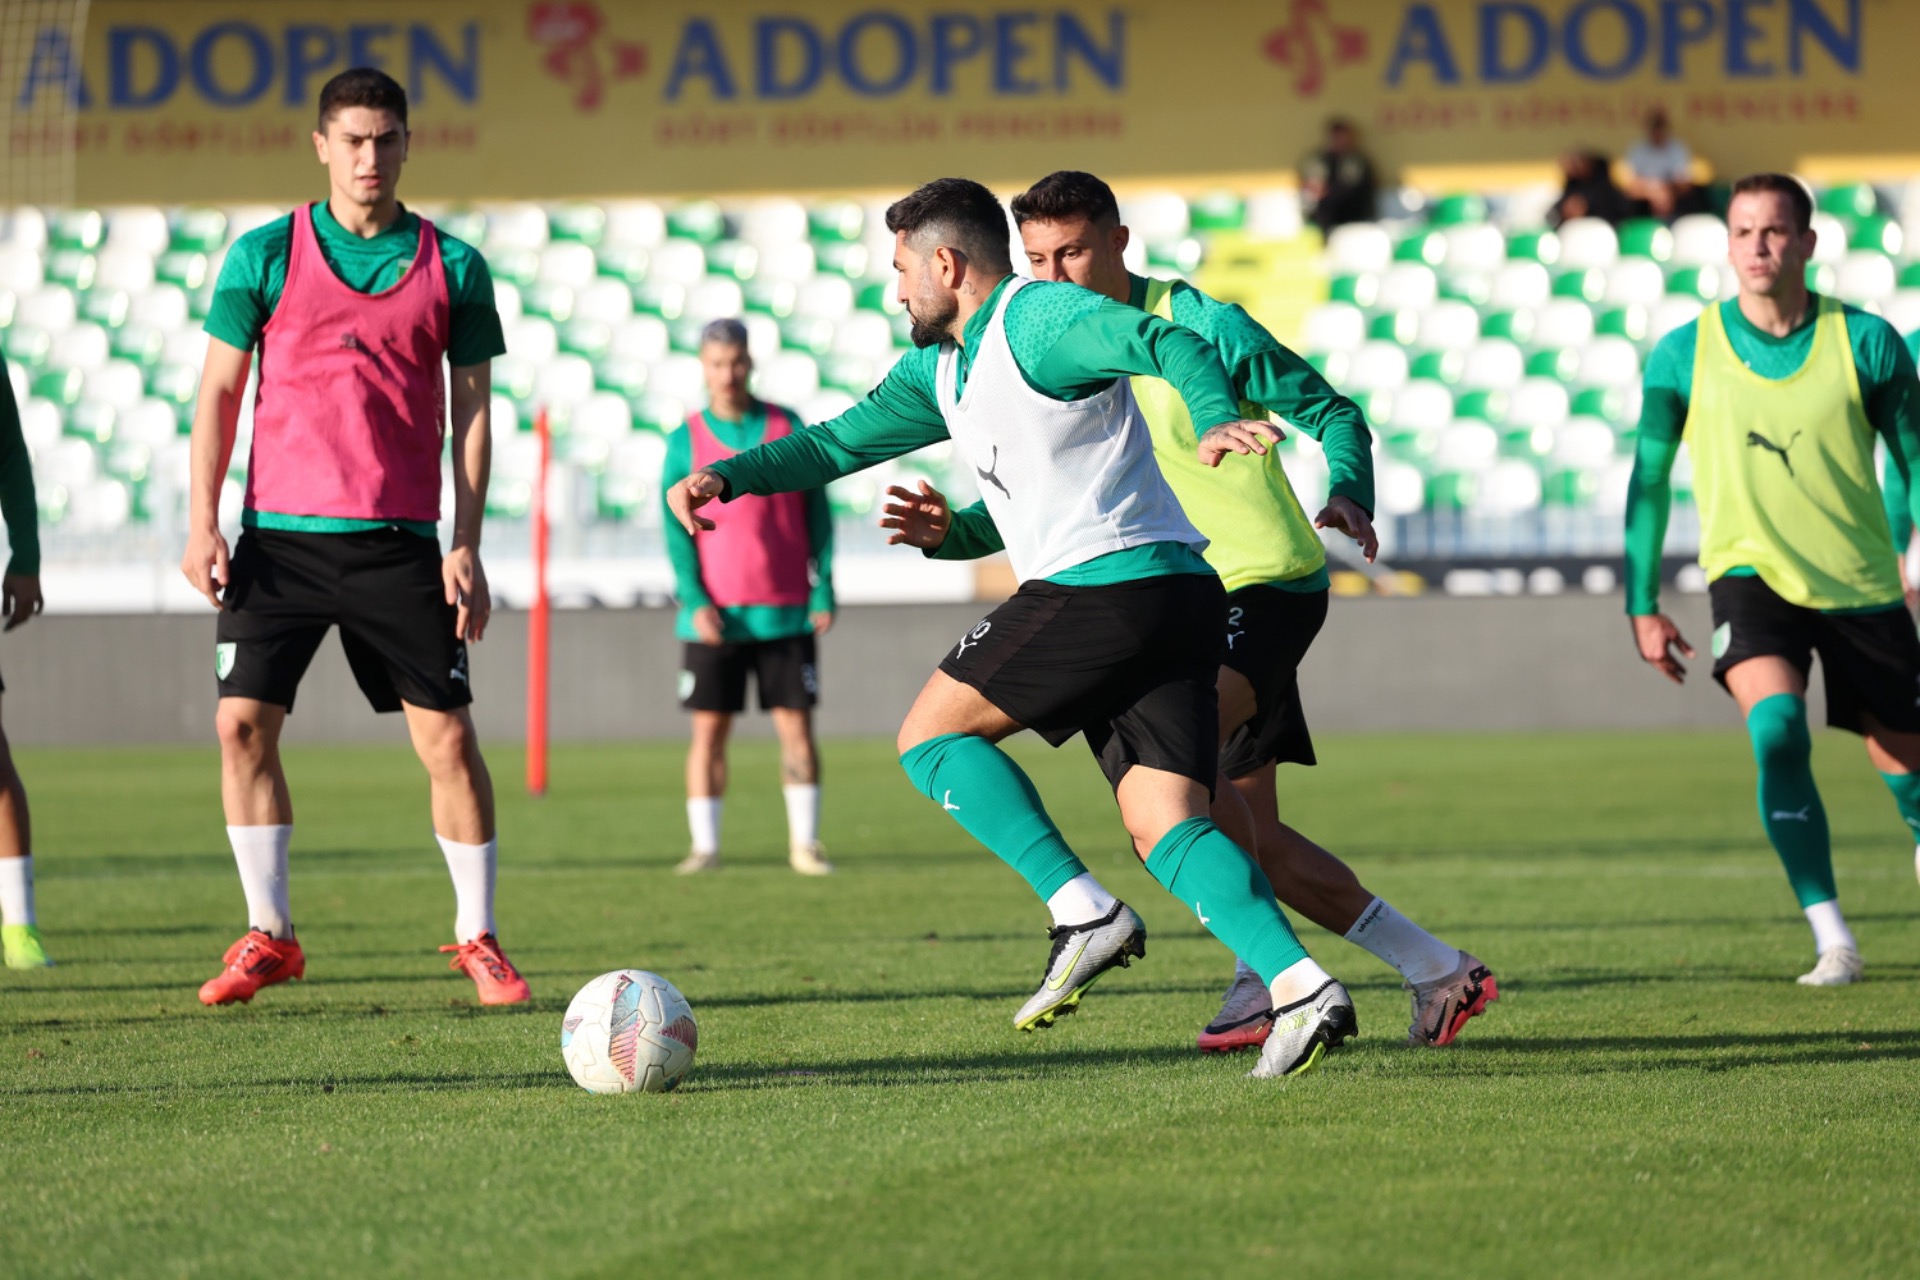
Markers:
point(20, 596)
point(1906, 585)
point(689, 495)
point(466, 584)
point(205, 564)
point(918, 519)
point(1350, 518)
point(822, 620)
point(1658, 640)
point(706, 624)
point(1244, 436)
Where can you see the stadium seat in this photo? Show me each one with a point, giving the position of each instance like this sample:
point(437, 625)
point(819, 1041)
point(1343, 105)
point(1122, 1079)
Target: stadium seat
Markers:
point(23, 227)
point(1458, 209)
point(1538, 402)
point(1699, 240)
point(1533, 246)
point(148, 422)
point(20, 269)
point(1273, 214)
point(786, 262)
point(634, 224)
point(680, 377)
point(1394, 326)
point(1865, 277)
point(1587, 243)
point(602, 415)
point(84, 346)
point(52, 309)
point(1669, 314)
point(118, 383)
point(1156, 217)
point(1429, 247)
point(677, 261)
point(1582, 442)
point(1519, 284)
point(1451, 326)
point(1400, 489)
point(1437, 366)
point(1420, 405)
point(1634, 282)
point(577, 223)
point(1217, 211)
point(866, 335)
point(1493, 364)
point(1850, 200)
point(1646, 238)
point(515, 226)
point(1407, 285)
point(1563, 322)
point(1704, 283)
point(1377, 366)
point(1623, 322)
point(1610, 362)
point(602, 301)
point(825, 298)
point(714, 298)
point(568, 263)
point(1877, 234)
point(1475, 247)
point(1506, 488)
point(1831, 244)
point(141, 228)
point(164, 306)
point(787, 378)
point(735, 259)
point(534, 339)
point(1357, 247)
point(1902, 310)
point(1334, 326)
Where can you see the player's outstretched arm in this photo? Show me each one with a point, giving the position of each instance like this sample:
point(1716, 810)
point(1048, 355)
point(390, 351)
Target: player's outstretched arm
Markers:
point(1661, 645)
point(472, 429)
point(1350, 518)
point(917, 519)
point(688, 494)
point(216, 415)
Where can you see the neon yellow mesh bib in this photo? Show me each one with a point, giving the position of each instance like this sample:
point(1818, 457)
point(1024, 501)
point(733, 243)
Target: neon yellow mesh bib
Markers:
point(1783, 471)
point(1255, 527)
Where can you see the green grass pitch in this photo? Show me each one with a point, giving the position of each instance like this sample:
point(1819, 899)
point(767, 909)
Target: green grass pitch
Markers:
point(1653, 1095)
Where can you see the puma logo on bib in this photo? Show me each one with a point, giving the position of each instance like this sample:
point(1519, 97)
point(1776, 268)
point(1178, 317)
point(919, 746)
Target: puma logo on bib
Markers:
point(1757, 441)
point(992, 476)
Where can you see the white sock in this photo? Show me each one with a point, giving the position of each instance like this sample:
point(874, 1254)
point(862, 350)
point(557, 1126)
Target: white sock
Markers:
point(1418, 955)
point(261, 855)
point(703, 820)
point(803, 812)
point(472, 868)
point(1080, 900)
point(16, 890)
point(1297, 981)
point(1829, 927)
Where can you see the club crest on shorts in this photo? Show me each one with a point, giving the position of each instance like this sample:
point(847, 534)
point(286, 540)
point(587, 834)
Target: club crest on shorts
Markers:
point(809, 679)
point(1722, 639)
point(223, 656)
point(686, 685)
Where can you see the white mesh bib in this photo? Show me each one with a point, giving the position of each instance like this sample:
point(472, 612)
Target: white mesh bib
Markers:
point(1065, 480)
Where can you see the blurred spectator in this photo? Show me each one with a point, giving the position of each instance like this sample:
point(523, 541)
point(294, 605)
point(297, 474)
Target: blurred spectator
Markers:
point(1336, 182)
point(1660, 172)
point(1588, 191)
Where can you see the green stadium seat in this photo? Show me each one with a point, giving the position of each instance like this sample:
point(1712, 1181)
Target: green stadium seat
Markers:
point(1451, 491)
point(1534, 246)
point(139, 343)
point(1852, 200)
point(518, 267)
point(547, 301)
point(849, 259)
point(71, 268)
point(623, 263)
point(811, 334)
point(1876, 232)
point(57, 386)
point(1646, 238)
point(1481, 405)
point(1561, 363)
point(577, 223)
point(1415, 447)
point(1360, 290)
point(1394, 326)
point(768, 297)
point(106, 307)
point(589, 338)
point(734, 258)
point(1217, 211)
point(1530, 443)
point(1605, 403)
point(1515, 326)
point(1183, 255)
point(1588, 285)
point(177, 385)
point(701, 221)
point(660, 298)
point(92, 421)
point(82, 229)
point(1822, 277)
point(1458, 209)
point(1429, 247)
point(1701, 282)
point(1624, 322)
point(622, 375)
point(1470, 287)
point(832, 220)
point(198, 231)
point(1438, 366)
point(187, 269)
point(514, 377)
point(1909, 275)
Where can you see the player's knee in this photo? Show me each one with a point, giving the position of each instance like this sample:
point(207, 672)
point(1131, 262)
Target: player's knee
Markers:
point(1777, 727)
point(450, 748)
point(240, 735)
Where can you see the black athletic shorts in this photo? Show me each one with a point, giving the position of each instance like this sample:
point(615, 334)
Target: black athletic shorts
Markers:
point(1130, 665)
point(1871, 660)
point(382, 589)
point(713, 677)
point(1268, 633)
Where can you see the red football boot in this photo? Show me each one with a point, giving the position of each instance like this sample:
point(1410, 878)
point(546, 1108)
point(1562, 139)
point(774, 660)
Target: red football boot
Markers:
point(257, 960)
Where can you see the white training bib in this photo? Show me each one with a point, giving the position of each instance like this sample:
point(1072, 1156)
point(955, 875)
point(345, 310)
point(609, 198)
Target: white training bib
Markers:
point(1065, 480)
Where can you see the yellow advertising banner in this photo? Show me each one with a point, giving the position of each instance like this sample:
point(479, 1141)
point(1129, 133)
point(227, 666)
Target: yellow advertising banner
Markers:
point(212, 100)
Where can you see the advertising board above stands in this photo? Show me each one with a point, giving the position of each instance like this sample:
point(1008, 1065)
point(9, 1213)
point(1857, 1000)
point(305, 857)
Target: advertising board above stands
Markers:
point(211, 100)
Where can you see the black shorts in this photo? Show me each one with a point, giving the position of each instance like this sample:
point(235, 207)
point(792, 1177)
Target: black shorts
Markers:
point(1130, 665)
point(1871, 660)
point(382, 589)
point(713, 677)
point(1268, 633)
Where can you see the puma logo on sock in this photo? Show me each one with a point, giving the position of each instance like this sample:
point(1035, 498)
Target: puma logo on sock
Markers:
point(1783, 815)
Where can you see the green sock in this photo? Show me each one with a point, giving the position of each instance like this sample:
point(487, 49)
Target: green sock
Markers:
point(1906, 794)
point(1790, 807)
point(1199, 865)
point(992, 797)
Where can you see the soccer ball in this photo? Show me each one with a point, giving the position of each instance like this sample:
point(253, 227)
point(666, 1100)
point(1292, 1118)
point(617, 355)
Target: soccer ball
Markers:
point(628, 1031)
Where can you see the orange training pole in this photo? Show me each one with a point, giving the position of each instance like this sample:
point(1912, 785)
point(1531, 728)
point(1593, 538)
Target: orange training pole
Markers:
point(538, 623)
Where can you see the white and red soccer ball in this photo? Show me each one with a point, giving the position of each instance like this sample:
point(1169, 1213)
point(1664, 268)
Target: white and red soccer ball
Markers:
point(628, 1031)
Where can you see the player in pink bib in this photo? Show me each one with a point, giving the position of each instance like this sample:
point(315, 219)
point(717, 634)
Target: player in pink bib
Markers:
point(754, 593)
point(353, 305)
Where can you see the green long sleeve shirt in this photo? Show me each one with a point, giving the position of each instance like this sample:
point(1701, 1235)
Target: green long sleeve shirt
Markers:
point(1264, 373)
point(753, 622)
point(1894, 486)
point(254, 276)
point(17, 505)
point(1887, 387)
point(1068, 343)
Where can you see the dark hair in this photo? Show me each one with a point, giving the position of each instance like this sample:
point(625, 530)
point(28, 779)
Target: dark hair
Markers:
point(960, 214)
point(1068, 193)
point(362, 87)
point(1782, 184)
point(724, 333)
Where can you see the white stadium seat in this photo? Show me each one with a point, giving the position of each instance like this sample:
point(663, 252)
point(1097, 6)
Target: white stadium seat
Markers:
point(1588, 242)
point(52, 309)
point(572, 265)
point(790, 262)
point(1831, 245)
point(1155, 217)
point(1584, 443)
point(679, 376)
point(824, 298)
point(506, 301)
point(1537, 402)
point(715, 298)
point(164, 307)
point(1480, 247)
point(1526, 208)
point(789, 377)
point(1519, 285)
point(1610, 362)
point(1377, 366)
point(1699, 240)
point(1466, 446)
point(1334, 326)
point(602, 415)
point(515, 226)
point(774, 221)
point(532, 338)
point(1865, 277)
point(147, 422)
point(603, 301)
point(1399, 489)
point(565, 380)
point(142, 228)
point(1508, 488)
point(635, 224)
point(83, 347)
point(1563, 322)
point(644, 338)
point(1273, 214)
point(677, 261)
point(23, 227)
point(1634, 282)
point(1407, 285)
point(117, 382)
point(123, 267)
point(1357, 247)
point(1421, 405)
point(1669, 314)
point(40, 423)
point(1493, 364)
point(68, 462)
point(1448, 326)
point(865, 334)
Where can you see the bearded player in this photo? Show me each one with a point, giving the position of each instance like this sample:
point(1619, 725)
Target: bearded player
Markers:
point(353, 303)
point(1114, 632)
point(1274, 568)
point(1780, 396)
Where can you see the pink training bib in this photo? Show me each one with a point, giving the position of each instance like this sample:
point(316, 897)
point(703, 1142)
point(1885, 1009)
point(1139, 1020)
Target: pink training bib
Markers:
point(758, 548)
point(351, 410)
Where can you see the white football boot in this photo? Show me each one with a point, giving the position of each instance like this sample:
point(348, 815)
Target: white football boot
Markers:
point(1837, 967)
point(1081, 953)
point(1303, 1032)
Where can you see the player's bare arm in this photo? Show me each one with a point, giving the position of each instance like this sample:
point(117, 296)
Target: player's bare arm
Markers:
point(1661, 645)
point(216, 416)
point(917, 519)
point(1350, 518)
point(20, 598)
point(689, 495)
point(1242, 437)
point(466, 581)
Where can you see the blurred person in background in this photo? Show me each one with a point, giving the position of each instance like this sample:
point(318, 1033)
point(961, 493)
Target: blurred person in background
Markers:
point(1660, 172)
point(19, 929)
point(755, 592)
point(1587, 190)
point(1337, 182)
